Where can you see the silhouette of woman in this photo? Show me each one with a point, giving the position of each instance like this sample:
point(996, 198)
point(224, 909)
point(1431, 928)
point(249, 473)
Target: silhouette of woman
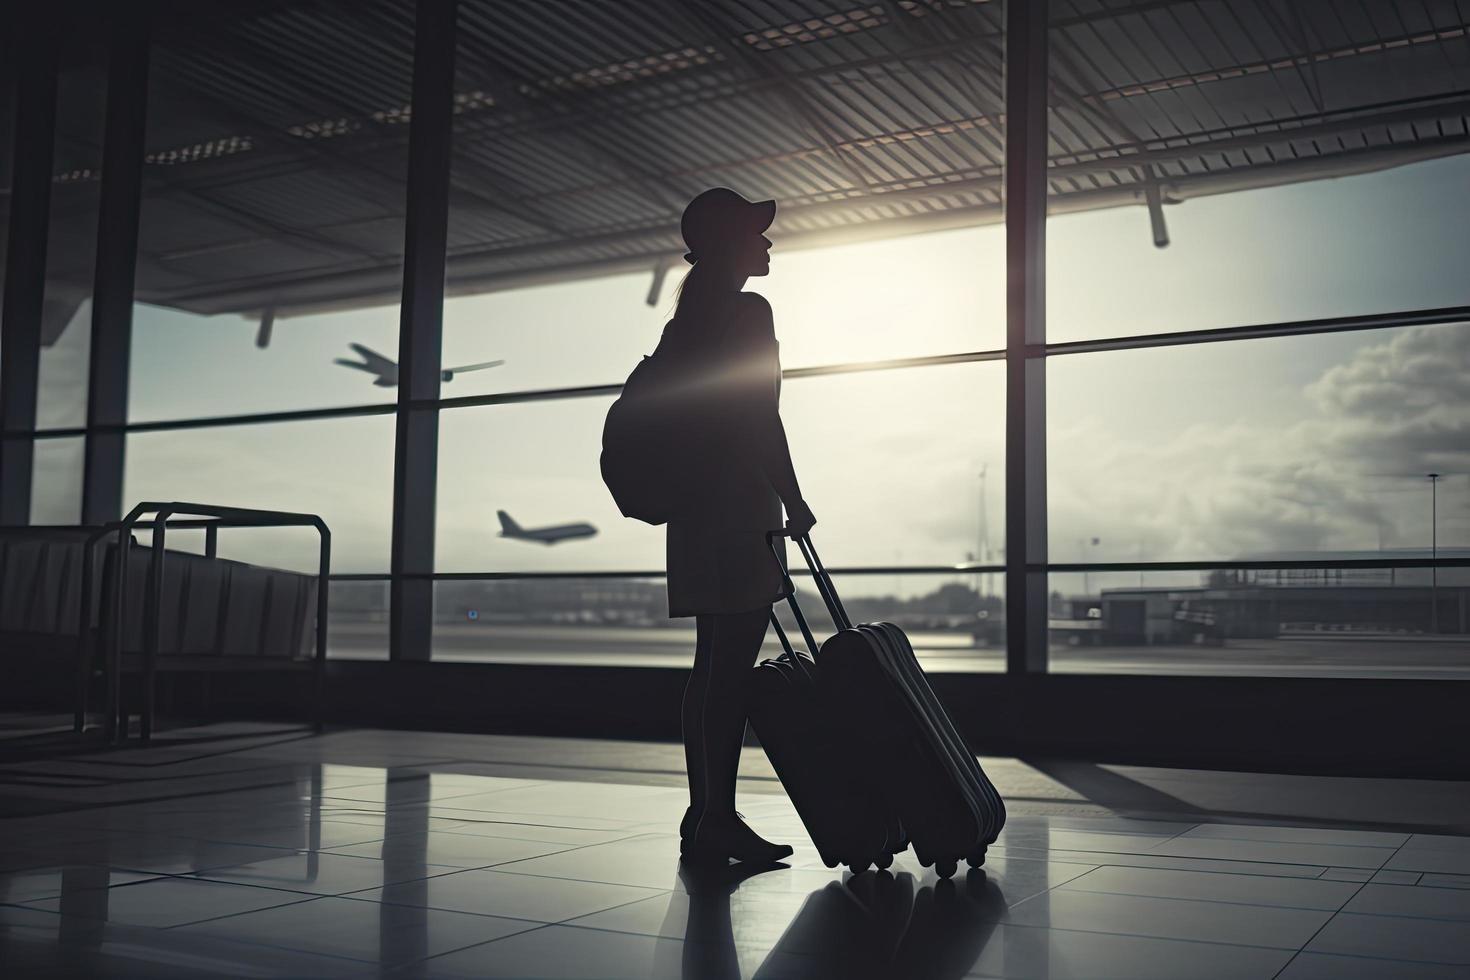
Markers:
point(738, 474)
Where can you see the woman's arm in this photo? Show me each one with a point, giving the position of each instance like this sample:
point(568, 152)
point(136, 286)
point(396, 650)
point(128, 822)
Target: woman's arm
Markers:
point(770, 433)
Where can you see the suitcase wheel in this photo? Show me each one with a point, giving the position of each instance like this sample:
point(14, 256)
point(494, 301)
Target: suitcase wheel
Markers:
point(946, 867)
point(884, 862)
point(976, 857)
point(858, 867)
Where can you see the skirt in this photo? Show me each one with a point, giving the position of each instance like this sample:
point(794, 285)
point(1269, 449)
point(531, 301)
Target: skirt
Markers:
point(719, 562)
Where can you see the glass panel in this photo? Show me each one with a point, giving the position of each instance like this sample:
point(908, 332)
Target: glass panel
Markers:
point(56, 481)
point(1199, 138)
point(902, 467)
point(341, 469)
point(1288, 447)
point(930, 294)
point(186, 365)
point(589, 332)
point(942, 293)
point(1360, 622)
point(574, 158)
point(271, 231)
point(71, 245)
point(537, 462)
point(935, 430)
point(582, 621)
point(357, 621)
point(955, 622)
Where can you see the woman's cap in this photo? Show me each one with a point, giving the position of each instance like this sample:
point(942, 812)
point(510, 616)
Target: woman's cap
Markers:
point(720, 214)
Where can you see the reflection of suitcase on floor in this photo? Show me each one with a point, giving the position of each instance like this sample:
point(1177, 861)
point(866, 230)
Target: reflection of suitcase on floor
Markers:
point(949, 808)
point(814, 753)
point(877, 927)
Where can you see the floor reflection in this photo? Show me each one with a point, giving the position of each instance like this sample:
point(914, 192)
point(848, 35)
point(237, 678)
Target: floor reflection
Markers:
point(403, 930)
point(165, 864)
point(877, 925)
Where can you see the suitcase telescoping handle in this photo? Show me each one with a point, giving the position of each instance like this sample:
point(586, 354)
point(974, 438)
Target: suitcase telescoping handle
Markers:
point(789, 594)
point(823, 581)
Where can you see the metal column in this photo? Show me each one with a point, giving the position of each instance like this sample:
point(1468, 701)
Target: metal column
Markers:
point(34, 47)
point(421, 322)
point(1025, 185)
point(117, 255)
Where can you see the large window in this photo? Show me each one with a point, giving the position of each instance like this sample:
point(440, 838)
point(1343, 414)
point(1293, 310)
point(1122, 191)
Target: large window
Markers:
point(903, 467)
point(1243, 163)
point(571, 165)
point(1238, 449)
point(270, 248)
point(1230, 486)
point(1255, 170)
point(271, 228)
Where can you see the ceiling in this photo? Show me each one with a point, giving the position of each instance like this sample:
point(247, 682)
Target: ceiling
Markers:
point(277, 133)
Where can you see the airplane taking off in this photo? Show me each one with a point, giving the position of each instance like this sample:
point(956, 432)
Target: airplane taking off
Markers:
point(546, 535)
point(387, 370)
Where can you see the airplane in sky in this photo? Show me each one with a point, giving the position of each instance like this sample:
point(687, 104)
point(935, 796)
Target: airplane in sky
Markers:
point(546, 535)
point(387, 370)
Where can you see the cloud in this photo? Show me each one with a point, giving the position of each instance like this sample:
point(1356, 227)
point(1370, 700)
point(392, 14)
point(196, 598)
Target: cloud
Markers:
point(1337, 477)
point(1402, 407)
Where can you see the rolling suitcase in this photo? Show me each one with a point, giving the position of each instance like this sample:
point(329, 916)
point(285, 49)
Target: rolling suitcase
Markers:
point(814, 752)
point(949, 809)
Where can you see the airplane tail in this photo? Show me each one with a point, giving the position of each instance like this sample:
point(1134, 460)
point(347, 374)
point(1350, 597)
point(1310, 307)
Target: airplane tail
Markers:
point(507, 525)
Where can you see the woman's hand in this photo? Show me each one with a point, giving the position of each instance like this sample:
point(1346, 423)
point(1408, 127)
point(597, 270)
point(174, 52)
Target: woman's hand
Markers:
point(799, 518)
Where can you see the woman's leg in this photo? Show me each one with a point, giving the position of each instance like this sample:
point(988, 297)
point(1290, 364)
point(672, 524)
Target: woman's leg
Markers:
point(692, 724)
point(714, 708)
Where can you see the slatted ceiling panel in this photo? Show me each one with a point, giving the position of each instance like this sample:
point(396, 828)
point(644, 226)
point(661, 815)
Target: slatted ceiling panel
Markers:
point(606, 211)
point(691, 143)
point(328, 198)
point(582, 126)
point(545, 162)
point(564, 40)
point(339, 60)
point(476, 225)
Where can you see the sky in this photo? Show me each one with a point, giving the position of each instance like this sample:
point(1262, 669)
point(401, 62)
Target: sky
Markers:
point(1202, 452)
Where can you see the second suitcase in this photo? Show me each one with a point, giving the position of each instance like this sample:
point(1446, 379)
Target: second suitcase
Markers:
point(950, 810)
point(817, 756)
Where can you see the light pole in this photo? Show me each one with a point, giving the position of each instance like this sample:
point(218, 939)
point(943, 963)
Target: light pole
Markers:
point(1082, 547)
point(984, 542)
point(1433, 552)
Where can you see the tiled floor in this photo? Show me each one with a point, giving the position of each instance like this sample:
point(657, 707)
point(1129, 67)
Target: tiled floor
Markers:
point(244, 852)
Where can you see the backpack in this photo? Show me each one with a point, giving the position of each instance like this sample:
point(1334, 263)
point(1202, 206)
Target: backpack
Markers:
point(651, 458)
point(639, 456)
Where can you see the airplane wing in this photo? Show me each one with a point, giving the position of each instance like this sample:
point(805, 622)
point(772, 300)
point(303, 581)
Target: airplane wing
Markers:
point(474, 367)
point(361, 367)
point(376, 362)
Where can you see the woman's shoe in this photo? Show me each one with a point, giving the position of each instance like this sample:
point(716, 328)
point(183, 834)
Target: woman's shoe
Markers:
point(686, 825)
point(717, 841)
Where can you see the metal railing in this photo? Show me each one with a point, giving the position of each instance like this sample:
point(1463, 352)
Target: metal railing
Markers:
point(112, 622)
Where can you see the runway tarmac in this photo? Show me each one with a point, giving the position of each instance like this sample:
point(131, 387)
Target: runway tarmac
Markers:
point(672, 646)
